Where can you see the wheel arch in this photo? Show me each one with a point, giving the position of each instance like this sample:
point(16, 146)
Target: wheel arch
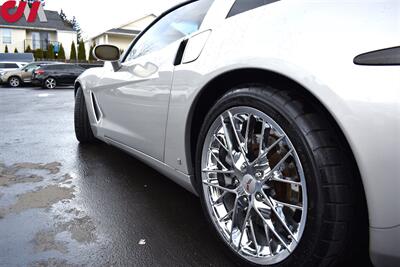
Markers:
point(223, 83)
point(14, 76)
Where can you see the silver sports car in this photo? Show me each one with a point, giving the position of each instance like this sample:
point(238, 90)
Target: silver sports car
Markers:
point(282, 116)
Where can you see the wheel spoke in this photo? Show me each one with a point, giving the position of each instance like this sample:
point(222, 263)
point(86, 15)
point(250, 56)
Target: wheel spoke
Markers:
point(280, 162)
point(220, 187)
point(286, 181)
point(286, 204)
point(239, 143)
point(261, 139)
point(228, 139)
point(222, 145)
point(217, 159)
point(218, 171)
point(271, 227)
point(249, 208)
point(280, 219)
point(226, 216)
point(234, 215)
point(265, 153)
point(253, 236)
point(219, 199)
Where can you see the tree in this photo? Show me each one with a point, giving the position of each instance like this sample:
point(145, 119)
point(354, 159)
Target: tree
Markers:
point(28, 49)
point(73, 51)
point(77, 28)
point(6, 49)
point(81, 50)
point(63, 16)
point(91, 56)
point(39, 54)
point(50, 52)
point(16, 51)
point(61, 53)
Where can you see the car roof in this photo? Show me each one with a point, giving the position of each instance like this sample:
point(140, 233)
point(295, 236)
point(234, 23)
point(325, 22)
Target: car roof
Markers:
point(13, 62)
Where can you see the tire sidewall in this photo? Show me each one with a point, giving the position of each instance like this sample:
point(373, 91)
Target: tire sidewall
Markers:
point(258, 100)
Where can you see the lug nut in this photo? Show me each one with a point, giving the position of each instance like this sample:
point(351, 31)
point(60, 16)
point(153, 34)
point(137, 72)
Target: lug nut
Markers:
point(259, 175)
point(259, 197)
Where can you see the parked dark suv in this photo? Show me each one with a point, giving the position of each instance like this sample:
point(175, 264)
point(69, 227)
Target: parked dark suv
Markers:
point(50, 76)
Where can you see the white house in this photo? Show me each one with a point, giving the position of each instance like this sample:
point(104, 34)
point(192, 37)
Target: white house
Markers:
point(123, 35)
point(22, 34)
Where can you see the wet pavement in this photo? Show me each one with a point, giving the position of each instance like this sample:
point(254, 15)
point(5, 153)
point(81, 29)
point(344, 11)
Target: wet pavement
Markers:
point(64, 204)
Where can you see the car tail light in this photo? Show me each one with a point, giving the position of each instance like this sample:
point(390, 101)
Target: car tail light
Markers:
point(39, 72)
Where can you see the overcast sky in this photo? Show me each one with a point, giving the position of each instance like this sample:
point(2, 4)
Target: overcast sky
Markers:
point(96, 16)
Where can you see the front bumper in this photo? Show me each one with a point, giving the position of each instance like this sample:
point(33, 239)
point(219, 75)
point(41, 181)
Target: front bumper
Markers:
point(385, 246)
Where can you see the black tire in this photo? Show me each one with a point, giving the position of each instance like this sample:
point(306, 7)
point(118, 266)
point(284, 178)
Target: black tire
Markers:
point(46, 83)
point(83, 130)
point(329, 232)
point(14, 85)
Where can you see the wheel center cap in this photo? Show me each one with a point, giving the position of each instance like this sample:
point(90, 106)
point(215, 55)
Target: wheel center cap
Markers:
point(249, 184)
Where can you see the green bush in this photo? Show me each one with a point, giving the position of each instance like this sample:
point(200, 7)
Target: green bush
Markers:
point(39, 54)
point(61, 53)
point(6, 49)
point(81, 51)
point(73, 52)
point(50, 52)
point(91, 56)
point(16, 51)
point(28, 49)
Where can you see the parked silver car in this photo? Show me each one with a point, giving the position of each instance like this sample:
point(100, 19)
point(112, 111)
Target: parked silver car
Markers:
point(283, 116)
point(10, 66)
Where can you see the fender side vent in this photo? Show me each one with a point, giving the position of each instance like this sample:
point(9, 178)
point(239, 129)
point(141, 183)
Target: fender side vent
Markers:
point(96, 108)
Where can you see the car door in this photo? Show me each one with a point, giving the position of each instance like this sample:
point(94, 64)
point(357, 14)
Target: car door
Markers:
point(26, 72)
point(63, 73)
point(134, 100)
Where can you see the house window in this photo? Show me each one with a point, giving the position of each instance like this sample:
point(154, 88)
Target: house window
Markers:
point(6, 33)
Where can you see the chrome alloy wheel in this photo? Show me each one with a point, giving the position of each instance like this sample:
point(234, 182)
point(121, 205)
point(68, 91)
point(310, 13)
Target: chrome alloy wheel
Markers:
point(254, 185)
point(50, 83)
point(14, 82)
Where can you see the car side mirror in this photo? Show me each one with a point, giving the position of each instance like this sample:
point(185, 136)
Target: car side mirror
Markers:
point(108, 53)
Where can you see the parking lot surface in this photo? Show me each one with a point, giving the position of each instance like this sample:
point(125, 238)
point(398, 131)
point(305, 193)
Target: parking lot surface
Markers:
point(64, 204)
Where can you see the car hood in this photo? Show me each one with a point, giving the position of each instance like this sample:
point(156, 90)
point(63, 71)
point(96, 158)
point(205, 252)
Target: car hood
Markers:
point(11, 72)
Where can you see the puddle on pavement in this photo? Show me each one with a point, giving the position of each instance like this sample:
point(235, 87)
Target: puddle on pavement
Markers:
point(26, 187)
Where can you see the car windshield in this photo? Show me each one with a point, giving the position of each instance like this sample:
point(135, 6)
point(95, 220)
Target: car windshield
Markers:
point(30, 67)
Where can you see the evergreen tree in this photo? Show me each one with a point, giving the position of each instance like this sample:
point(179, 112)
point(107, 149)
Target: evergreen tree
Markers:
point(16, 51)
point(38, 54)
point(73, 51)
point(28, 49)
point(91, 56)
point(63, 16)
point(6, 49)
point(61, 53)
point(50, 52)
point(77, 28)
point(81, 51)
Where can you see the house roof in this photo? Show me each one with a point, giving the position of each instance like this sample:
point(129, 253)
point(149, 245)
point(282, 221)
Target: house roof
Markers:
point(123, 31)
point(54, 22)
point(120, 30)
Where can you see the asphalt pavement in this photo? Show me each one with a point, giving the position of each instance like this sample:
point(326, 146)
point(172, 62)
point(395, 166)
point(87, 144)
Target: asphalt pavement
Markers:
point(64, 204)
